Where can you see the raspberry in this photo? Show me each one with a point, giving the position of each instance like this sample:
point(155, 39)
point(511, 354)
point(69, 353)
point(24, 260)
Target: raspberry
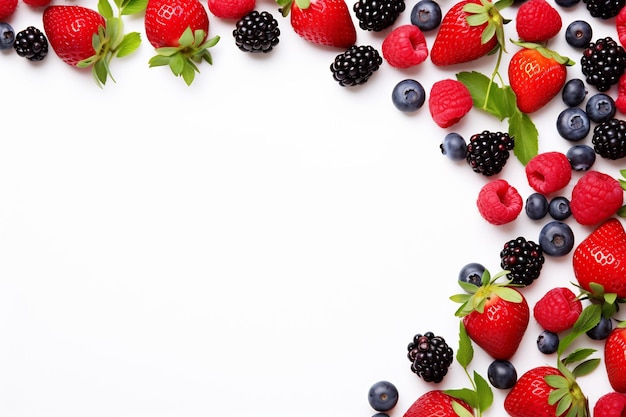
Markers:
point(612, 404)
point(620, 26)
point(405, 47)
point(548, 172)
point(557, 310)
point(537, 21)
point(7, 8)
point(231, 9)
point(596, 197)
point(499, 203)
point(620, 102)
point(449, 101)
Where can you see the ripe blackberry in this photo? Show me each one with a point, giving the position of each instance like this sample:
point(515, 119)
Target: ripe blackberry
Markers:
point(356, 65)
point(256, 32)
point(430, 356)
point(487, 152)
point(604, 9)
point(31, 44)
point(609, 139)
point(377, 15)
point(524, 259)
point(603, 63)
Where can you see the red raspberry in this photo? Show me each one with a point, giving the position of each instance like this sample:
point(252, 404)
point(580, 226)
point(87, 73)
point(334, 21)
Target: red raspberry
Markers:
point(620, 101)
point(620, 26)
point(612, 404)
point(231, 9)
point(449, 101)
point(37, 3)
point(548, 172)
point(537, 21)
point(596, 197)
point(7, 8)
point(557, 310)
point(498, 202)
point(405, 47)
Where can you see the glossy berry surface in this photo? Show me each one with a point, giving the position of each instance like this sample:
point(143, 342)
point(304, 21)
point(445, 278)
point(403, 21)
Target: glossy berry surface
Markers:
point(581, 157)
point(472, 273)
point(383, 396)
point(454, 146)
point(601, 330)
point(574, 92)
point(547, 342)
point(578, 34)
point(356, 65)
point(559, 208)
point(426, 15)
point(31, 43)
point(430, 357)
point(7, 35)
point(502, 374)
point(600, 108)
point(556, 238)
point(536, 206)
point(573, 124)
point(256, 32)
point(408, 95)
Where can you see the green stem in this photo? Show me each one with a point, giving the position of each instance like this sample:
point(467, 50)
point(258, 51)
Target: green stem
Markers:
point(496, 72)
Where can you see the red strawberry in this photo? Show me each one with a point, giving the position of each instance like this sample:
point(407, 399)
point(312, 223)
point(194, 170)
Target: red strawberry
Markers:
point(7, 8)
point(615, 358)
point(612, 404)
point(529, 396)
point(322, 22)
point(231, 9)
point(596, 196)
point(601, 258)
point(183, 25)
point(537, 21)
point(449, 101)
point(458, 40)
point(536, 76)
point(37, 3)
point(405, 47)
point(557, 310)
point(435, 403)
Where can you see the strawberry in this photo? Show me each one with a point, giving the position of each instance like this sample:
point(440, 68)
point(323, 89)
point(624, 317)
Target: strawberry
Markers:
point(82, 38)
point(536, 76)
point(435, 403)
point(231, 9)
point(7, 8)
point(537, 21)
point(178, 29)
point(460, 37)
point(495, 315)
point(601, 258)
point(322, 22)
point(615, 358)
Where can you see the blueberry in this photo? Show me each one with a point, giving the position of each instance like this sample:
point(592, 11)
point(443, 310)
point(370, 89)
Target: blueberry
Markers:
point(472, 273)
point(383, 396)
point(578, 34)
point(600, 108)
point(380, 415)
point(573, 124)
point(454, 146)
point(574, 92)
point(581, 157)
point(7, 36)
point(536, 206)
point(567, 3)
point(408, 95)
point(547, 342)
point(426, 15)
point(559, 208)
point(601, 330)
point(556, 238)
point(502, 374)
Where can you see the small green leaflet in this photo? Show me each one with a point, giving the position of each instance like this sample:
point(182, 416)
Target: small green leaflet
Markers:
point(465, 353)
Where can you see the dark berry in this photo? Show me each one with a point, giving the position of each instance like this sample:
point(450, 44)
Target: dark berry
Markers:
point(573, 124)
point(567, 3)
point(256, 32)
point(7, 35)
point(604, 9)
point(581, 157)
point(609, 139)
point(523, 259)
point(31, 44)
point(600, 108)
point(426, 15)
point(454, 146)
point(383, 396)
point(408, 95)
point(356, 65)
point(601, 330)
point(536, 206)
point(430, 356)
point(381, 415)
point(556, 238)
point(559, 208)
point(574, 92)
point(487, 152)
point(502, 374)
point(603, 63)
point(472, 273)
point(578, 34)
point(377, 15)
point(547, 342)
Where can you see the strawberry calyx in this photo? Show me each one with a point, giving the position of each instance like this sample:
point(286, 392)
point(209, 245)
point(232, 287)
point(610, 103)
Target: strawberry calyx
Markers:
point(476, 297)
point(489, 13)
point(548, 53)
point(285, 5)
point(182, 59)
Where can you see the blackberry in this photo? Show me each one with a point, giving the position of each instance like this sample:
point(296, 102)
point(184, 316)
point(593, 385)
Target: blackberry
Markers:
point(604, 9)
point(603, 63)
point(257, 32)
point(524, 259)
point(356, 65)
point(487, 152)
point(377, 15)
point(430, 356)
point(609, 139)
point(31, 44)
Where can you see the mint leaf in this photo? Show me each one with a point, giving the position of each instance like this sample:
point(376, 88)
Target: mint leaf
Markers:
point(526, 136)
point(498, 104)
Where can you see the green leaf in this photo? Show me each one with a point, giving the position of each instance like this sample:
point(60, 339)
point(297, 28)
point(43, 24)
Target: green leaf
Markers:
point(564, 405)
point(105, 9)
point(460, 298)
point(465, 352)
point(483, 392)
point(508, 294)
point(557, 381)
point(586, 367)
point(130, 7)
point(556, 395)
point(159, 60)
point(477, 19)
point(610, 297)
point(303, 4)
point(187, 38)
point(464, 394)
point(498, 103)
point(622, 211)
point(468, 287)
point(488, 33)
point(589, 317)
point(474, 8)
point(526, 137)
point(129, 44)
point(460, 410)
point(578, 355)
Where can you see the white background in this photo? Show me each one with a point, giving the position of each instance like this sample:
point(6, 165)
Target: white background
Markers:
point(262, 243)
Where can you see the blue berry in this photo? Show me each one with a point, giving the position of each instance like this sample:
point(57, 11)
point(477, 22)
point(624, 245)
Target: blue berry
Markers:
point(556, 238)
point(383, 396)
point(578, 34)
point(454, 147)
point(380, 415)
point(574, 92)
point(408, 95)
point(536, 206)
point(600, 108)
point(7, 36)
point(573, 124)
point(502, 374)
point(601, 330)
point(547, 342)
point(426, 15)
point(567, 3)
point(559, 208)
point(581, 157)
point(472, 273)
